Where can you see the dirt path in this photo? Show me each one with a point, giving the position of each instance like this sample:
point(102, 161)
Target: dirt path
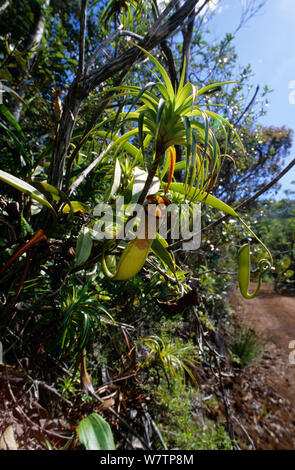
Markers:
point(271, 387)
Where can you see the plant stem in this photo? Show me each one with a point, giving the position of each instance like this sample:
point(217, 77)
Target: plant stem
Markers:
point(151, 174)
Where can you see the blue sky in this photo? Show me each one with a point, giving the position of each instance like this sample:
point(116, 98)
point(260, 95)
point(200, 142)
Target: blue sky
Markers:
point(267, 42)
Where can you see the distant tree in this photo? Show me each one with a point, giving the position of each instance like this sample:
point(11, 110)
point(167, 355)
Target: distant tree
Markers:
point(267, 148)
point(242, 104)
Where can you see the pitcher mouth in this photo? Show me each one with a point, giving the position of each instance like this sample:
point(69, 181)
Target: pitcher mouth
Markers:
point(158, 201)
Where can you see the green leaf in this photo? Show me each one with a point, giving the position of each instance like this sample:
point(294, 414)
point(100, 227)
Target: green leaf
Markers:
point(180, 165)
point(140, 132)
point(48, 189)
point(162, 71)
point(159, 248)
point(166, 165)
point(20, 59)
point(13, 93)
point(25, 188)
point(188, 133)
point(181, 81)
point(83, 247)
point(116, 180)
point(125, 144)
point(6, 75)
point(127, 193)
point(76, 207)
point(14, 139)
point(221, 119)
point(207, 88)
point(139, 95)
point(182, 96)
point(95, 433)
point(160, 110)
point(202, 196)
point(285, 263)
point(9, 117)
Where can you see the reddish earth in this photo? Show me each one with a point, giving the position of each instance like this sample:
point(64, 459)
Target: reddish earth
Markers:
point(264, 393)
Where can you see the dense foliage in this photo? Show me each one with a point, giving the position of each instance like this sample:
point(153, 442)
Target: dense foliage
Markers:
point(104, 100)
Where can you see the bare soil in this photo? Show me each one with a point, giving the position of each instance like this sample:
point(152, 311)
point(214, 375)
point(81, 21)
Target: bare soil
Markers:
point(264, 393)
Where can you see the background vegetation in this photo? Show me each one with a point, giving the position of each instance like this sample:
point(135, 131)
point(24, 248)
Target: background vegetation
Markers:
point(135, 351)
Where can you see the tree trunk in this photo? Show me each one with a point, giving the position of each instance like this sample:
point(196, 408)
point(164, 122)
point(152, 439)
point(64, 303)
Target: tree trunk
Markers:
point(63, 137)
point(87, 83)
point(33, 39)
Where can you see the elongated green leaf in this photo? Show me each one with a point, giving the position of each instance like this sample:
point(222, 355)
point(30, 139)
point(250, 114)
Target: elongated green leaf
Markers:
point(139, 95)
point(9, 117)
point(25, 188)
point(13, 93)
point(14, 138)
point(219, 118)
point(83, 247)
point(159, 114)
point(207, 88)
point(180, 165)
point(133, 103)
point(95, 433)
point(6, 75)
point(202, 196)
point(182, 97)
point(127, 193)
point(48, 189)
point(163, 90)
point(188, 133)
point(77, 206)
point(140, 132)
point(181, 81)
point(162, 71)
point(166, 165)
point(194, 162)
point(147, 97)
point(116, 180)
point(126, 145)
point(159, 247)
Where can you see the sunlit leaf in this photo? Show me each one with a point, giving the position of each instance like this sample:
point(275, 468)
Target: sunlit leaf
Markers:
point(83, 247)
point(95, 433)
point(76, 207)
point(202, 196)
point(159, 247)
point(116, 180)
point(9, 117)
point(25, 188)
